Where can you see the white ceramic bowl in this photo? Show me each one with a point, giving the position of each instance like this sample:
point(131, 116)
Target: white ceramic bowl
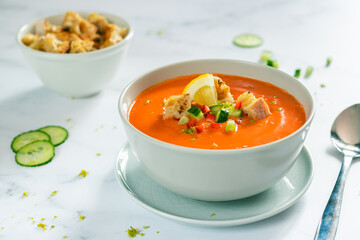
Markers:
point(216, 175)
point(81, 74)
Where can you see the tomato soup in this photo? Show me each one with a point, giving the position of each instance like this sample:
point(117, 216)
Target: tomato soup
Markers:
point(287, 115)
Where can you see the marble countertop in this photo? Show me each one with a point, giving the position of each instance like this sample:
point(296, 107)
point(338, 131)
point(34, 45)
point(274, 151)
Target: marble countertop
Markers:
point(299, 33)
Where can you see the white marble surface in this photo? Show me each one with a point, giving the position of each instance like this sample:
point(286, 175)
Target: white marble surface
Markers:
point(300, 33)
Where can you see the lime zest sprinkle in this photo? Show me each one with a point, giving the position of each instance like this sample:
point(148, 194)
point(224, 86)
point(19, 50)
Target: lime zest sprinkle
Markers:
point(42, 225)
point(132, 232)
point(25, 194)
point(328, 61)
point(146, 227)
point(213, 214)
point(308, 71)
point(83, 173)
point(297, 73)
point(53, 193)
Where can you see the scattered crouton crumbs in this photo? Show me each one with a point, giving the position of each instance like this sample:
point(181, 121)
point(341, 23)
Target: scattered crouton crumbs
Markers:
point(328, 61)
point(82, 217)
point(322, 85)
point(146, 227)
point(69, 120)
point(25, 194)
point(132, 232)
point(42, 225)
point(52, 226)
point(53, 193)
point(214, 145)
point(83, 173)
point(98, 154)
point(42, 219)
point(147, 101)
point(213, 214)
point(278, 109)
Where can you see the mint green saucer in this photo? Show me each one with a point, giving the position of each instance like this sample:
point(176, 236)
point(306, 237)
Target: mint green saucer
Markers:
point(153, 197)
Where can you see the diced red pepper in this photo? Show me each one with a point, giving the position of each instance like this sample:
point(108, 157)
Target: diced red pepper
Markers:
point(238, 121)
point(201, 127)
point(191, 123)
point(238, 104)
point(210, 118)
point(216, 125)
point(205, 109)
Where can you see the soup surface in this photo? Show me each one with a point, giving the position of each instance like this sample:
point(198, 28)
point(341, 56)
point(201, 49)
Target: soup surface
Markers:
point(287, 115)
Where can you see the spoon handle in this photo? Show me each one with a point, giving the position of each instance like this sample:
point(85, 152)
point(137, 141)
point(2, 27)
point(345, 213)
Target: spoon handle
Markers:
point(328, 225)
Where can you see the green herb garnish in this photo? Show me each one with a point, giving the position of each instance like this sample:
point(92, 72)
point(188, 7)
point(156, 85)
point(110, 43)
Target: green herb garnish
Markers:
point(146, 227)
point(278, 109)
point(322, 85)
point(147, 101)
point(188, 130)
point(308, 72)
point(132, 232)
point(328, 61)
point(212, 214)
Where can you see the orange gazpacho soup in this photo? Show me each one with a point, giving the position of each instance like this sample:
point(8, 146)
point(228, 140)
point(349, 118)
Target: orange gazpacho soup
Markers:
point(228, 123)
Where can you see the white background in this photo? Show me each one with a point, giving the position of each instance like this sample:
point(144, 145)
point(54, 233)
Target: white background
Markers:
point(299, 33)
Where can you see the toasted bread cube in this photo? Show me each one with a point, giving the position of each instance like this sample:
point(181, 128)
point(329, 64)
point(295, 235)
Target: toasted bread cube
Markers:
point(176, 106)
point(223, 90)
point(113, 35)
point(99, 21)
point(29, 38)
point(256, 108)
point(43, 26)
point(72, 22)
point(88, 30)
point(80, 46)
point(54, 45)
point(67, 36)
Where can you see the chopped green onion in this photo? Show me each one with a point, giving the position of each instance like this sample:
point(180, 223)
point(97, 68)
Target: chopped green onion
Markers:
point(183, 120)
point(297, 73)
point(188, 130)
point(230, 126)
point(272, 63)
point(328, 61)
point(265, 56)
point(308, 72)
point(146, 227)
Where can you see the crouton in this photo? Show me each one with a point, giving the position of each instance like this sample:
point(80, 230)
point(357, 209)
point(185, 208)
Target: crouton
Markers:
point(255, 108)
point(113, 35)
point(99, 21)
point(67, 36)
point(72, 22)
point(176, 106)
point(52, 44)
point(29, 38)
point(223, 90)
point(80, 46)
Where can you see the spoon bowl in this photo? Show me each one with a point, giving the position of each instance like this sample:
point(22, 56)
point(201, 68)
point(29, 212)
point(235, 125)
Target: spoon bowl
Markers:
point(345, 135)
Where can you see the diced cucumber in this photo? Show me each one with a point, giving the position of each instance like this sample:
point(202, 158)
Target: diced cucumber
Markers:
point(183, 120)
point(57, 134)
point(215, 109)
point(35, 154)
point(222, 116)
point(196, 113)
point(248, 40)
point(235, 113)
point(28, 137)
point(230, 126)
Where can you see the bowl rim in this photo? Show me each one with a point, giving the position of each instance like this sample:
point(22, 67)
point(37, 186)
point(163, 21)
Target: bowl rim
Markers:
point(21, 32)
point(215, 151)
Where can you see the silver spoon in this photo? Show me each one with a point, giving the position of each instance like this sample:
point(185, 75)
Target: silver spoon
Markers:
point(345, 135)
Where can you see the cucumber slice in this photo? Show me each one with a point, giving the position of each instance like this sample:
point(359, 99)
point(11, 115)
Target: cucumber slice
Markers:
point(215, 109)
point(57, 134)
point(35, 154)
point(222, 116)
point(248, 40)
point(28, 137)
point(196, 113)
point(235, 113)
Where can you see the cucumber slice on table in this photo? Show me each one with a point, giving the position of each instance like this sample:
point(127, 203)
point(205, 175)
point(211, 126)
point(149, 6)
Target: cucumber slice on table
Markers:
point(28, 137)
point(57, 134)
point(248, 40)
point(35, 154)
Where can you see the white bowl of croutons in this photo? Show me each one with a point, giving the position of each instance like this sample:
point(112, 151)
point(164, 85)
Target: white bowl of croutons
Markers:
point(76, 54)
point(216, 129)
